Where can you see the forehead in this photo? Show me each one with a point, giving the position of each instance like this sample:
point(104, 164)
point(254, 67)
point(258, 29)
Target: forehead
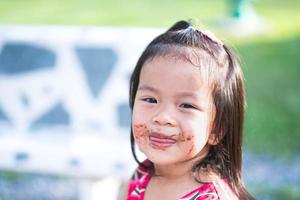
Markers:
point(171, 73)
point(199, 58)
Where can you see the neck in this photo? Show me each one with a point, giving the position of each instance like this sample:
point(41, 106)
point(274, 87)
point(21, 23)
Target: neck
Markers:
point(173, 171)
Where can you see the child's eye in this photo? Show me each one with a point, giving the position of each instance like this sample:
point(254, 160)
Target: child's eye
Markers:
point(149, 100)
point(186, 105)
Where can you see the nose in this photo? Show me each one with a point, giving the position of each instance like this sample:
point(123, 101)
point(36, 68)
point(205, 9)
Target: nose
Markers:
point(164, 117)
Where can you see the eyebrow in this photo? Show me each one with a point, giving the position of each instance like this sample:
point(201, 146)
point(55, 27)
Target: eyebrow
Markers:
point(179, 94)
point(187, 94)
point(147, 87)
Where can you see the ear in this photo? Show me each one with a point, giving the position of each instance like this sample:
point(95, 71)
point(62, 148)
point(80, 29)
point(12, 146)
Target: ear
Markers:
point(213, 139)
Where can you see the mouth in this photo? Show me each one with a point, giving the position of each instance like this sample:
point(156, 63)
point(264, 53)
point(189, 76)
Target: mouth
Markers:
point(159, 141)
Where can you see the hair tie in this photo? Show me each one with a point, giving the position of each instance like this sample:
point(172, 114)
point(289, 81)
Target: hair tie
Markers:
point(191, 28)
point(188, 29)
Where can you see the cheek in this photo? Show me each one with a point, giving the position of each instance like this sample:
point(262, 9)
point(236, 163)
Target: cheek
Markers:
point(185, 137)
point(186, 142)
point(200, 132)
point(139, 116)
point(139, 130)
point(140, 133)
point(192, 143)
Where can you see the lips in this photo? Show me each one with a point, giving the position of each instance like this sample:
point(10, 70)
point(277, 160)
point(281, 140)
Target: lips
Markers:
point(160, 141)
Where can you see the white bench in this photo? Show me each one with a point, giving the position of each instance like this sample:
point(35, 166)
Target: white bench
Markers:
point(64, 99)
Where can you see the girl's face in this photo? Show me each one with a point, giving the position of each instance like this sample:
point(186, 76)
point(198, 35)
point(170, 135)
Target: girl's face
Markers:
point(172, 111)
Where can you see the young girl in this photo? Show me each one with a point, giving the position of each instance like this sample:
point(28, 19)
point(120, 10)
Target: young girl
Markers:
point(187, 101)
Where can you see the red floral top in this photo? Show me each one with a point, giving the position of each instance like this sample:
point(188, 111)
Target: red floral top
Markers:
point(219, 190)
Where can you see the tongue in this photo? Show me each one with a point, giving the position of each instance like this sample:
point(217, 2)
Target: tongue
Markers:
point(162, 140)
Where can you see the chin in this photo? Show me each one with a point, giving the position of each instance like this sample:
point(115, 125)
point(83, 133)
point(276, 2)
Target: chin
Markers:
point(160, 160)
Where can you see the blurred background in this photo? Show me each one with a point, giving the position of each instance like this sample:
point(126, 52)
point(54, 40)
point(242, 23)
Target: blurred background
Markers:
point(64, 72)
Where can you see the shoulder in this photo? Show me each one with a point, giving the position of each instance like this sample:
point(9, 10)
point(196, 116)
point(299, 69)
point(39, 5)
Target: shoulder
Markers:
point(142, 171)
point(139, 180)
point(224, 190)
point(217, 190)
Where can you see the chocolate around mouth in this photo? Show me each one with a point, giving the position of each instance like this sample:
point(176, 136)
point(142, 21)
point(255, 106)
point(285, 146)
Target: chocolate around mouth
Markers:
point(141, 131)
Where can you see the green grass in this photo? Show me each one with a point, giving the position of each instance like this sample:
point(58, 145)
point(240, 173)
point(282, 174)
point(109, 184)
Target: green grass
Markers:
point(285, 192)
point(271, 61)
point(273, 89)
point(105, 12)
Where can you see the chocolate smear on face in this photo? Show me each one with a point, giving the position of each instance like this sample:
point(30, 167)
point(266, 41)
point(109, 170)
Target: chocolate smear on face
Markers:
point(189, 138)
point(184, 137)
point(140, 133)
point(181, 137)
